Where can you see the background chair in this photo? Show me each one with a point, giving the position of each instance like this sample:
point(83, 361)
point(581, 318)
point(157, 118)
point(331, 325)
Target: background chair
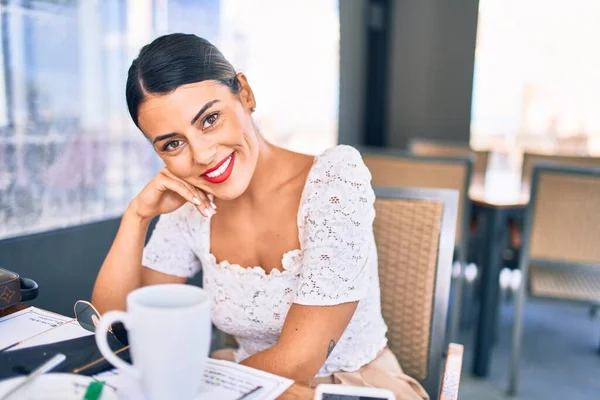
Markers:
point(440, 148)
point(414, 231)
point(560, 257)
point(393, 168)
point(529, 159)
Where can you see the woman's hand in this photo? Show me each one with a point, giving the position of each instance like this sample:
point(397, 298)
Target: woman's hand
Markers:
point(165, 193)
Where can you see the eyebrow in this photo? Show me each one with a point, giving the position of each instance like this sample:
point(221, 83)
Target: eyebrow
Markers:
point(203, 110)
point(192, 122)
point(163, 137)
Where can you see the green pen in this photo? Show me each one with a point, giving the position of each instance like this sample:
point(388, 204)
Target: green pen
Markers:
point(94, 390)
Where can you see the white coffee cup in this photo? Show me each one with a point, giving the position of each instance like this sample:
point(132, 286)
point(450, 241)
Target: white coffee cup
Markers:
point(169, 332)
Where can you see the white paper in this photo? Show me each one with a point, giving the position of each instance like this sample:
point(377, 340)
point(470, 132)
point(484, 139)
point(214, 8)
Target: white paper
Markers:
point(224, 381)
point(110, 378)
point(239, 380)
point(34, 326)
point(67, 331)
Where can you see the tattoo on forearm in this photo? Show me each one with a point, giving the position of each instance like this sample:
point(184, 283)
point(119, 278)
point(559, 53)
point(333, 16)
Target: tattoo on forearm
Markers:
point(330, 348)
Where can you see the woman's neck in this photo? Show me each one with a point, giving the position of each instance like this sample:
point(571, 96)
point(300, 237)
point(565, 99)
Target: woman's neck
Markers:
point(270, 172)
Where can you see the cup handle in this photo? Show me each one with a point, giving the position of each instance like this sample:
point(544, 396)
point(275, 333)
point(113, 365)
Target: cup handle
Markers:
point(106, 322)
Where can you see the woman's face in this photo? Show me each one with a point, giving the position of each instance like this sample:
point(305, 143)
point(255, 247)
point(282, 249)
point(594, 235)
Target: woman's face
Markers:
point(205, 135)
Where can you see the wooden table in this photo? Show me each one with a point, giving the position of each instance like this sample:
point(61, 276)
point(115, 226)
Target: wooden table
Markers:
point(495, 199)
point(13, 309)
point(452, 371)
point(296, 391)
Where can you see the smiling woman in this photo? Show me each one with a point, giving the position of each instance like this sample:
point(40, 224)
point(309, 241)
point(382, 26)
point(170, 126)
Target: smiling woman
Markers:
point(194, 108)
point(289, 259)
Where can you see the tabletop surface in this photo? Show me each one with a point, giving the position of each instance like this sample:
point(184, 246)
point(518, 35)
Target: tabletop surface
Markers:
point(499, 189)
point(296, 391)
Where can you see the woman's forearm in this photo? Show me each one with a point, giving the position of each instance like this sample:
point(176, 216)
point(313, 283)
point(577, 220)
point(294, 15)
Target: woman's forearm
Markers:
point(308, 337)
point(121, 271)
point(279, 362)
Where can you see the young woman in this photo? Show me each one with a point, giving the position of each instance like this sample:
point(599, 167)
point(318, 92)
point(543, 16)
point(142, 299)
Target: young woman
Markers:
point(285, 240)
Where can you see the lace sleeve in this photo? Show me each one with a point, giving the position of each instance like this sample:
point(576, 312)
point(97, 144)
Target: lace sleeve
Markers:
point(168, 250)
point(336, 230)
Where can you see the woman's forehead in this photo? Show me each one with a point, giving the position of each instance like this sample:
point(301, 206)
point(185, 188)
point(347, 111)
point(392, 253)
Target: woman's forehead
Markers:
point(183, 103)
point(201, 92)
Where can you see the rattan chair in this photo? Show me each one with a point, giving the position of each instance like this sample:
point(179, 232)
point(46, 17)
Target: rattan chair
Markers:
point(414, 232)
point(439, 148)
point(530, 159)
point(394, 168)
point(560, 256)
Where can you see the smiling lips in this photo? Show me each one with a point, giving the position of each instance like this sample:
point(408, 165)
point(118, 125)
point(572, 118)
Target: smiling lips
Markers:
point(221, 172)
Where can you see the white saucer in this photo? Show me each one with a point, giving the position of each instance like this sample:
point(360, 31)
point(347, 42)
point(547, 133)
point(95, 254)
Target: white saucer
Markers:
point(54, 386)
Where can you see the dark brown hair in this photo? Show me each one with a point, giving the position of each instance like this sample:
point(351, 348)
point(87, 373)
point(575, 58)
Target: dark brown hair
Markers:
point(174, 60)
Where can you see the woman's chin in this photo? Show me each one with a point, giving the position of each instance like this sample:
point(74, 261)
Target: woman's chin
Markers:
point(229, 191)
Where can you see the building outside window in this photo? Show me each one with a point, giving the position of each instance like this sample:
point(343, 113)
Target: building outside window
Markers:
point(69, 153)
point(536, 79)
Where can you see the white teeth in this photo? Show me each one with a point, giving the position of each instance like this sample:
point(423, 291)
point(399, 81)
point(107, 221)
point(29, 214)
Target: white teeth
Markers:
point(221, 169)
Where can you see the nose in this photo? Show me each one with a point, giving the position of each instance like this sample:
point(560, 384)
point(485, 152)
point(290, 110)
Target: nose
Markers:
point(204, 155)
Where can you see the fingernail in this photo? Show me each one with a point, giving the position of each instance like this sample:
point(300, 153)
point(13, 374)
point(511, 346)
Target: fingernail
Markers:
point(196, 201)
point(211, 211)
point(213, 205)
point(204, 213)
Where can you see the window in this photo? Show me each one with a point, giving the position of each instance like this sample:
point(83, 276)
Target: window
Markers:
point(69, 153)
point(536, 80)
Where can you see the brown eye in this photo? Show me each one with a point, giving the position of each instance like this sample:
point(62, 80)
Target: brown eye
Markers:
point(210, 120)
point(172, 145)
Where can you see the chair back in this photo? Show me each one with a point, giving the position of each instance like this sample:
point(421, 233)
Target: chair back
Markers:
point(396, 168)
point(436, 148)
point(414, 231)
point(562, 233)
point(530, 159)
point(560, 255)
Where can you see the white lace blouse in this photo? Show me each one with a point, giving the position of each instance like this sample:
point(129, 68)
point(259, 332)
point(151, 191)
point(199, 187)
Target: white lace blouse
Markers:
point(336, 263)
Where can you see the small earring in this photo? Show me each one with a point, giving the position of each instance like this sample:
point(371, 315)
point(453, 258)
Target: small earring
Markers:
point(252, 109)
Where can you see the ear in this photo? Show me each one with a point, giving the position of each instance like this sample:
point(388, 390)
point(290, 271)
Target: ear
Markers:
point(246, 94)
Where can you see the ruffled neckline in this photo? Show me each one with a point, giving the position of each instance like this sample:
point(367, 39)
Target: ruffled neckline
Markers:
point(289, 263)
point(289, 260)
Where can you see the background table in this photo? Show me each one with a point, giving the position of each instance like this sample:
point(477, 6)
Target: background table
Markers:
point(495, 199)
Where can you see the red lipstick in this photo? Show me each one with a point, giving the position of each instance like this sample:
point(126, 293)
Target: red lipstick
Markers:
point(225, 173)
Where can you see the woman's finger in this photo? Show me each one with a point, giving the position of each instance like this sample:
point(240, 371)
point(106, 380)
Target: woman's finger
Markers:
point(206, 202)
point(184, 191)
point(199, 198)
point(200, 193)
point(177, 187)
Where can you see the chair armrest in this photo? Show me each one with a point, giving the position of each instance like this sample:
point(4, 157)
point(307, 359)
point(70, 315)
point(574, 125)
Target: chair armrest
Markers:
point(452, 371)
